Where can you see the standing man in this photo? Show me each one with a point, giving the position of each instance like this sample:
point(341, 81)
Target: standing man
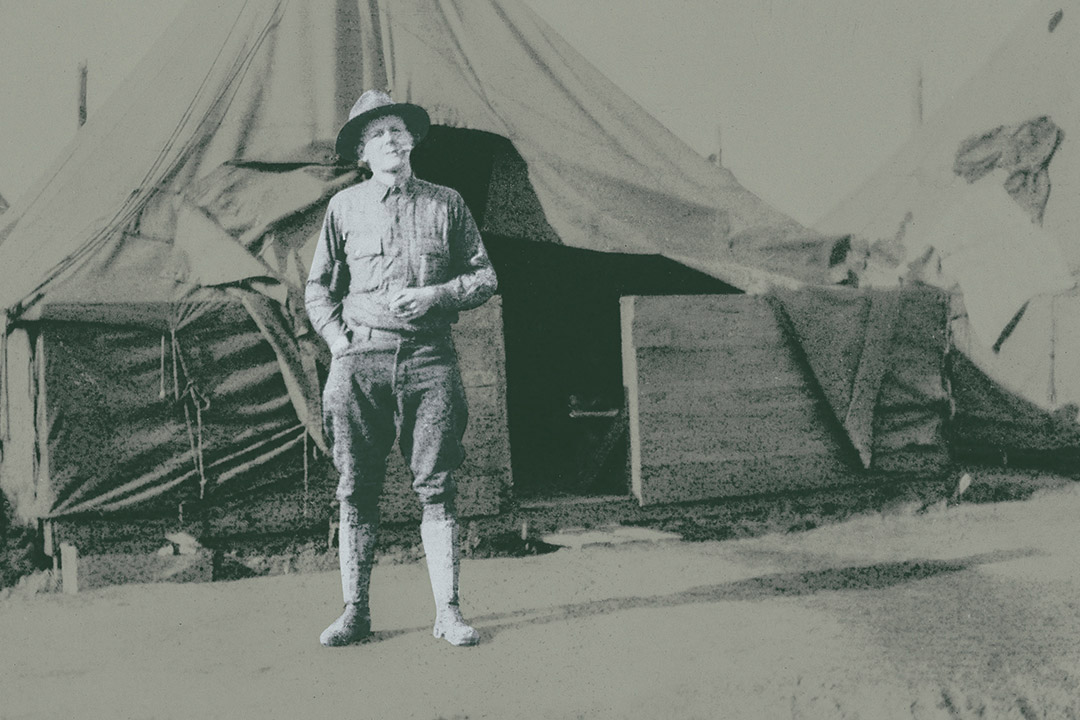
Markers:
point(397, 259)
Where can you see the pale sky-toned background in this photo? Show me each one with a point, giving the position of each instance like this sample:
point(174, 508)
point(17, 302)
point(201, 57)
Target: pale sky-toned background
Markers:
point(807, 97)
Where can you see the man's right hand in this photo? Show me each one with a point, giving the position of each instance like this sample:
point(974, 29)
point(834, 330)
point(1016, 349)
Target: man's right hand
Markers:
point(340, 345)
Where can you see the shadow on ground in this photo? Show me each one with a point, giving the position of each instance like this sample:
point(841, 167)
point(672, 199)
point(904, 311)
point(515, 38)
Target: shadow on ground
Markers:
point(878, 576)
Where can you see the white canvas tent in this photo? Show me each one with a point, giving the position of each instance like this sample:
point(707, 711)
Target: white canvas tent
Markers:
point(982, 202)
point(269, 82)
point(198, 188)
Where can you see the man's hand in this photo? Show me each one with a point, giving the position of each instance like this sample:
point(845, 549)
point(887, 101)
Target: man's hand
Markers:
point(411, 303)
point(341, 344)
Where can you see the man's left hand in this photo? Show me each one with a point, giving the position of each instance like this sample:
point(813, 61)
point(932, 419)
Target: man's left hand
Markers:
point(412, 303)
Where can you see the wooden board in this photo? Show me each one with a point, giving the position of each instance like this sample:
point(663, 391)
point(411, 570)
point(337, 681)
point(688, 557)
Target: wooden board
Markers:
point(719, 404)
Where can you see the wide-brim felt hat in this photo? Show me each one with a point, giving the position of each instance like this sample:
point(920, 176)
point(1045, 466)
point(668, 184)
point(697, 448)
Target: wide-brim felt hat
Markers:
point(372, 105)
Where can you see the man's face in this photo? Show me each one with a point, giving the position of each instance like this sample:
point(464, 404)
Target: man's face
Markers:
point(386, 144)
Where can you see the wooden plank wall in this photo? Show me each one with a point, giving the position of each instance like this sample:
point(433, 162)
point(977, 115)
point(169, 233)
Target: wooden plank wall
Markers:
point(719, 405)
point(484, 479)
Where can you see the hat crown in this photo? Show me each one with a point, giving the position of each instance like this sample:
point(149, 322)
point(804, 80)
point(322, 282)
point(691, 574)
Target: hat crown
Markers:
point(375, 104)
point(370, 100)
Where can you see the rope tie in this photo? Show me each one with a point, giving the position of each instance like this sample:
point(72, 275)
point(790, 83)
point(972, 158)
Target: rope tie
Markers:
point(950, 345)
point(197, 401)
point(5, 409)
point(199, 438)
point(1053, 349)
point(161, 388)
point(175, 365)
point(305, 473)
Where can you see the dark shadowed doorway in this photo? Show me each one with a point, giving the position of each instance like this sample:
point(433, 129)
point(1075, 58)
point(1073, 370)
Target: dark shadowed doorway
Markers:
point(561, 320)
point(564, 361)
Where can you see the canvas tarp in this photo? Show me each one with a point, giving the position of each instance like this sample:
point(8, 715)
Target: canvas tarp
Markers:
point(981, 202)
point(234, 429)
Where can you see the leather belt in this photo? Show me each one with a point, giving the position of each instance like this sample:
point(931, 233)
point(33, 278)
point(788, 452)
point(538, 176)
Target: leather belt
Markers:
point(363, 332)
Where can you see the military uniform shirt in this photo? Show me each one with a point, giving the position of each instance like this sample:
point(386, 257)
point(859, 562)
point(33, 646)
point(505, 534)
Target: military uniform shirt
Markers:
point(377, 240)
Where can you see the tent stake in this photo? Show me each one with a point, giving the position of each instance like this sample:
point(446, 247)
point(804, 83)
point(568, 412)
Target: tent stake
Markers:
point(47, 541)
point(69, 568)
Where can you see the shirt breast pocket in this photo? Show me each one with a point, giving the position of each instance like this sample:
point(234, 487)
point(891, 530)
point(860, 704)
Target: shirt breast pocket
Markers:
point(364, 253)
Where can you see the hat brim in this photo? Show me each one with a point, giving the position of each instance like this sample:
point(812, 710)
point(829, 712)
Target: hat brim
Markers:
point(416, 120)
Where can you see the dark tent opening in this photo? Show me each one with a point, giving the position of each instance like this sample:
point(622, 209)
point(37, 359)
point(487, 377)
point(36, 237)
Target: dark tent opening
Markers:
point(561, 319)
point(564, 359)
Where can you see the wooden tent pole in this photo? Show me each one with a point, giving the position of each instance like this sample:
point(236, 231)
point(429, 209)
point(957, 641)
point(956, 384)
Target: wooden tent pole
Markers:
point(82, 93)
point(917, 97)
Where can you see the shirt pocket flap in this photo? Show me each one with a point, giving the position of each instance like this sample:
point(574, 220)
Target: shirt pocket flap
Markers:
point(364, 244)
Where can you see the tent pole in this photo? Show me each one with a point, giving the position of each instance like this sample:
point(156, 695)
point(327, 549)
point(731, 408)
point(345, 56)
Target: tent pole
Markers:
point(5, 398)
point(917, 98)
point(82, 93)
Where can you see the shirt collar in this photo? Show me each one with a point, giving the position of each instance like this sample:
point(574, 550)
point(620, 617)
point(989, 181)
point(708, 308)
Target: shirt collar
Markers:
point(385, 192)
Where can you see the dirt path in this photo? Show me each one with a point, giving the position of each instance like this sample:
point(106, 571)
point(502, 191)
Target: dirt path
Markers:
point(969, 612)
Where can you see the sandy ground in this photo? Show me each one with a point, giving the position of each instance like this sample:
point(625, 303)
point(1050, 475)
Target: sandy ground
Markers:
point(964, 612)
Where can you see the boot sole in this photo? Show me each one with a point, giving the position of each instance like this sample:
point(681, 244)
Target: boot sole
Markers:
point(467, 642)
point(346, 642)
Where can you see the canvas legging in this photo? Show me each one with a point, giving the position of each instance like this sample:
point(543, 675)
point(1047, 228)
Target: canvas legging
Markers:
point(402, 388)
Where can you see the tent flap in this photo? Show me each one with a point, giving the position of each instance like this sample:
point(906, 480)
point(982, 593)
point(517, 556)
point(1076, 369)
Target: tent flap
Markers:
point(878, 358)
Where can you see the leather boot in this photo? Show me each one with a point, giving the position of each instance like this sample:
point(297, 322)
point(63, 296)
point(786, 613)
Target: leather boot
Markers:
point(356, 555)
point(440, 535)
